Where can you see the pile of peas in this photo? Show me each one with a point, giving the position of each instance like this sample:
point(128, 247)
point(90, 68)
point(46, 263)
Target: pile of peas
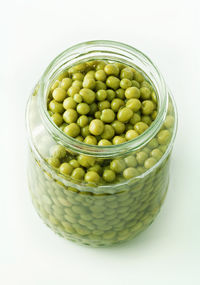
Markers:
point(102, 201)
point(104, 104)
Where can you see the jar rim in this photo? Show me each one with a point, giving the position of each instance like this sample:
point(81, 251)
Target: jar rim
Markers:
point(73, 53)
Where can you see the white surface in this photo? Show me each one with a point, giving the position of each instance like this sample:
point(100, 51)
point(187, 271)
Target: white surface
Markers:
point(32, 34)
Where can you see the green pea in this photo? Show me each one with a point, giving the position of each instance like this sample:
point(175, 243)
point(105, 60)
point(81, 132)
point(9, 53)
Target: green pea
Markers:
point(92, 63)
point(127, 73)
point(69, 103)
point(154, 97)
point(89, 83)
point(131, 161)
point(141, 157)
point(53, 161)
point(109, 235)
point(57, 119)
point(92, 177)
point(74, 163)
point(90, 74)
point(86, 161)
point(110, 94)
point(107, 116)
point(85, 131)
point(125, 83)
point(153, 143)
point(108, 132)
point(97, 115)
point(87, 95)
point(135, 118)
point(113, 82)
point(150, 162)
point(78, 173)
point(140, 127)
point(82, 121)
point(96, 127)
point(138, 77)
point(100, 85)
point(169, 121)
point(72, 130)
point(83, 108)
point(124, 114)
point(58, 151)
point(70, 116)
point(73, 90)
point(96, 168)
point(146, 84)
point(131, 134)
point(79, 210)
point(78, 68)
point(100, 65)
point(117, 165)
point(90, 140)
point(132, 92)
point(104, 142)
point(81, 230)
point(120, 93)
point(116, 104)
point(77, 98)
point(59, 94)
point(156, 153)
point(53, 220)
point(133, 104)
point(135, 83)
point(163, 137)
point(79, 138)
point(56, 107)
point(111, 69)
point(118, 140)
point(78, 76)
point(68, 227)
point(103, 105)
point(130, 172)
point(147, 107)
point(119, 127)
point(154, 115)
point(163, 147)
point(101, 95)
point(66, 83)
point(100, 75)
point(55, 85)
point(77, 83)
point(147, 120)
point(109, 175)
point(66, 168)
point(145, 93)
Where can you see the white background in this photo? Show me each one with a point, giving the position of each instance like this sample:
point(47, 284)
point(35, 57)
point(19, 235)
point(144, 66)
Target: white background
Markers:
point(32, 33)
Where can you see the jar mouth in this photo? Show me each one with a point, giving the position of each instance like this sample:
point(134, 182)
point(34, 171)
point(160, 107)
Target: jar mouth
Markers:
point(103, 50)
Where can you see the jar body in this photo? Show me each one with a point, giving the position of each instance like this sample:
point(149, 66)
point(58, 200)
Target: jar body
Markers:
point(99, 215)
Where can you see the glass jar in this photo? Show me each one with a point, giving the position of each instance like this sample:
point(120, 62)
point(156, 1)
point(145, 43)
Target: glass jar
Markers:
point(106, 213)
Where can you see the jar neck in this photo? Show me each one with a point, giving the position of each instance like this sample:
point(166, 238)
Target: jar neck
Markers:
point(103, 50)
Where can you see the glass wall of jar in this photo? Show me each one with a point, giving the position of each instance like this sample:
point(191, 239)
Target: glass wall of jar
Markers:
point(112, 193)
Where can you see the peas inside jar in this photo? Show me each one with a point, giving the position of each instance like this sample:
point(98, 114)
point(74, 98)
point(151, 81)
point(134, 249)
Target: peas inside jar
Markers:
point(102, 135)
point(102, 103)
